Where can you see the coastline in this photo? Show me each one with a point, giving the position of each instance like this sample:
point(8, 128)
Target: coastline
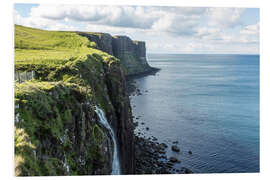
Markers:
point(130, 79)
point(173, 106)
point(151, 71)
point(150, 155)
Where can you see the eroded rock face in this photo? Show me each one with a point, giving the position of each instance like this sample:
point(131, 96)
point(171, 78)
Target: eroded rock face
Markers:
point(102, 40)
point(62, 130)
point(121, 118)
point(132, 54)
point(96, 83)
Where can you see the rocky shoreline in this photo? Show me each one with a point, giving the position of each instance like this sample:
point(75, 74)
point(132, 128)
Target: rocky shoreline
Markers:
point(150, 155)
point(150, 158)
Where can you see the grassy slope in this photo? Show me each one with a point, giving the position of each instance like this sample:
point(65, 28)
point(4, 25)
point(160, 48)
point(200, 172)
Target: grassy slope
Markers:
point(51, 48)
point(34, 46)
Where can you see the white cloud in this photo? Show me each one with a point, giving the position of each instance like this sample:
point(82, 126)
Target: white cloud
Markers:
point(39, 22)
point(112, 29)
point(177, 21)
point(121, 16)
point(224, 17)
point(253, 29)
point(172, 29)
point(208, 33)
point(177, 24)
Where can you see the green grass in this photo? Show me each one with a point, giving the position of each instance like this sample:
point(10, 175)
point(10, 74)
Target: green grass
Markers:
point(34, 46)
point(30, 38)
point(39, 48)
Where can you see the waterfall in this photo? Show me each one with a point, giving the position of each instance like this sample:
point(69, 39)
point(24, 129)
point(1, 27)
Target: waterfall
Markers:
point(115, 163)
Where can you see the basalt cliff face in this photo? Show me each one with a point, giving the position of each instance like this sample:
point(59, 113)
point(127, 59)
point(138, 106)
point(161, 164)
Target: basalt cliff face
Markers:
point(132, 54)
point(59, 120)
point(57, 131)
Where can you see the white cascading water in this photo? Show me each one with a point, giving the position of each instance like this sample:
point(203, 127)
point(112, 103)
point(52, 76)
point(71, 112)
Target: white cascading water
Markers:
point(115, 163)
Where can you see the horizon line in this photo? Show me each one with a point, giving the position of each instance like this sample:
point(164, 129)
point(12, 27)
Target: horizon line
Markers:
point(190, 53)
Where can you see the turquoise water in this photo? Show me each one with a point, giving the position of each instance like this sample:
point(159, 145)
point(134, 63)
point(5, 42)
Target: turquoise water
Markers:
point(209, 103)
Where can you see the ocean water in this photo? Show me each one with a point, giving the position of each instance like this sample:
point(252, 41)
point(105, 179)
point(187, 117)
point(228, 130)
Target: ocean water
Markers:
point(209, 104)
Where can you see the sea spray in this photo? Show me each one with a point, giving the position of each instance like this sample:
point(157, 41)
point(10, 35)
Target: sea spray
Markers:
point(115, 163)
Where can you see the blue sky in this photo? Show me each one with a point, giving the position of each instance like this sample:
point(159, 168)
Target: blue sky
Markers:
point(165, 29)
point(24, 9)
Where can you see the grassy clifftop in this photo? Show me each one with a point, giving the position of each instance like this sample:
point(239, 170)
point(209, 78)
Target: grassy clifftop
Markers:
point(50, 48)
point(61, 56)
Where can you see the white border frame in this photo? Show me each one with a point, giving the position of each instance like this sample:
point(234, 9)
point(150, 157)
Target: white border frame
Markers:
point(7, 92)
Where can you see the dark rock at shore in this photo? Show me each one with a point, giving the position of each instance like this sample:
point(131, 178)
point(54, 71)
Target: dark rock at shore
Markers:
point(148, 157)
point(174, 160)
point(135, 124)
point(175, 142)
point(169, 164)
point(151, 160)
point(163, 145)
point(175, 148)
point(161, 151)
point(163, 156)
point(186, 170)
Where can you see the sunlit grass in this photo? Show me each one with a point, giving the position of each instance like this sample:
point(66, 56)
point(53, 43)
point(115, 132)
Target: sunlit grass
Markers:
point(34, 46)
point(49, 57)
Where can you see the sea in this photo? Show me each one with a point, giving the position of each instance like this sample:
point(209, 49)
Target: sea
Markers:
point(209, 104)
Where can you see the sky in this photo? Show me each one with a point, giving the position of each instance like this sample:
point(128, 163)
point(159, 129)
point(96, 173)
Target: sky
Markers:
point(164, 29)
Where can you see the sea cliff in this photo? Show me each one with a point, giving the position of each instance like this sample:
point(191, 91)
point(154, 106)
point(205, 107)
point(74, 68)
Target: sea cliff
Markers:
point(132, 54)
point(60, 78)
